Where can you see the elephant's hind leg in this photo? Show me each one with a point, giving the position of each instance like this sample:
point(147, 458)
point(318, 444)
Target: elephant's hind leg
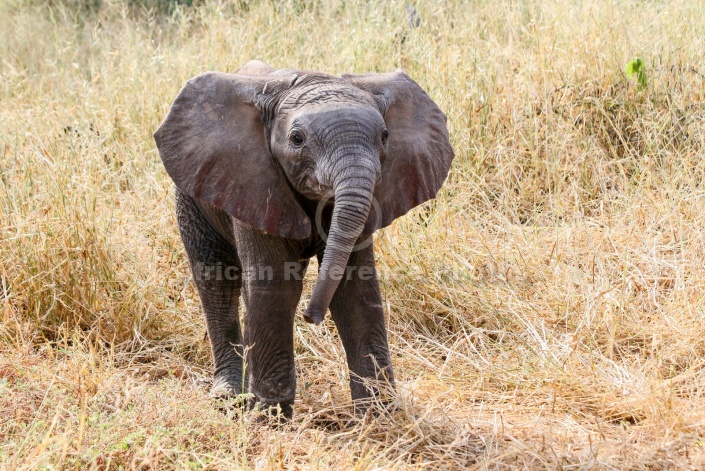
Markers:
point(216, 272)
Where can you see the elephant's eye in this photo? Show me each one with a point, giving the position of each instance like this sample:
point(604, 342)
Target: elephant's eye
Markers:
point(385, 136)
point(297, 138)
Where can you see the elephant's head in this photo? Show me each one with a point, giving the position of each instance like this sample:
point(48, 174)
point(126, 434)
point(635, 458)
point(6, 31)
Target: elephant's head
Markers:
point(259, 142)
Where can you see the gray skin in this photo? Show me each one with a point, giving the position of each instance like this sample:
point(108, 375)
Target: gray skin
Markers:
point(266, 164)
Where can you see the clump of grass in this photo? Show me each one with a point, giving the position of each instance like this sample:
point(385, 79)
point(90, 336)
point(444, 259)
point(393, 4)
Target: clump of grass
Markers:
point(544, 311)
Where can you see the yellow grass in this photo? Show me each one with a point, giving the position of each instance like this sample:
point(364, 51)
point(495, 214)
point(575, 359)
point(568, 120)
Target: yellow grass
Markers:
point(547, 312)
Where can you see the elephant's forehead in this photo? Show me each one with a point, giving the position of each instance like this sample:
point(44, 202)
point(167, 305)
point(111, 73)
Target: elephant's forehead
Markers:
point(324, 117)
point(323, 94)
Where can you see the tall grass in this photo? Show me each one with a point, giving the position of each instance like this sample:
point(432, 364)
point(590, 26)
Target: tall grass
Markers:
point(545, 311)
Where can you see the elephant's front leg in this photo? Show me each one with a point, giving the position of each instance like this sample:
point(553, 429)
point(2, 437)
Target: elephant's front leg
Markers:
point(216, 273)
point(357, 311)
point(271, 290)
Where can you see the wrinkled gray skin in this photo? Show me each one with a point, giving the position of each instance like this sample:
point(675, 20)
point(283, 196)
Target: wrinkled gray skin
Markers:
point(256, 156)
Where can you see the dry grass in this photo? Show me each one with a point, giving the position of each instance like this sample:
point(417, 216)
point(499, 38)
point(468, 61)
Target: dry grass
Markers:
point(547, 313)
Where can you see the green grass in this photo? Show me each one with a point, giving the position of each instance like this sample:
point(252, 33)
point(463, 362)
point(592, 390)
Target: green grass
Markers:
point(546, 313)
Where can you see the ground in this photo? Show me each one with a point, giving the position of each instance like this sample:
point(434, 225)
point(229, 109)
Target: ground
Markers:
point(545, 311)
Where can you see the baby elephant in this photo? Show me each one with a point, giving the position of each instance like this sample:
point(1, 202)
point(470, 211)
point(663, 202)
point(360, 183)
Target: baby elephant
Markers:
point(273, 167)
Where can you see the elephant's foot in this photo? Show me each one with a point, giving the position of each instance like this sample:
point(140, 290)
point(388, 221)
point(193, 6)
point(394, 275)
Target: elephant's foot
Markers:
point(373, 396)
point(226, 387)
point(274, 395)
point(277, 413)
point(375, 406)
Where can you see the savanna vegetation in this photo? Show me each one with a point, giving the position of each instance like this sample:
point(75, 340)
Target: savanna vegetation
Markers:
point(545, 311)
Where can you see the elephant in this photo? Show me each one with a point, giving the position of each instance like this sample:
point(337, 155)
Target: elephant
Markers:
point(272, 167)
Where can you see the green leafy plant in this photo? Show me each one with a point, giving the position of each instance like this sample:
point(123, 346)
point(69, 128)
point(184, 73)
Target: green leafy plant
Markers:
point(637, 67)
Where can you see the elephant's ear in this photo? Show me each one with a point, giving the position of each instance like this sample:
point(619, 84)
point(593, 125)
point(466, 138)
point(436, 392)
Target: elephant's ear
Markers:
point(213, 146)
point(419, 153)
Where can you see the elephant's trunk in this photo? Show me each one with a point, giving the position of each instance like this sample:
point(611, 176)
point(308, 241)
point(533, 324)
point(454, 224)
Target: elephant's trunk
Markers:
point(353, 198)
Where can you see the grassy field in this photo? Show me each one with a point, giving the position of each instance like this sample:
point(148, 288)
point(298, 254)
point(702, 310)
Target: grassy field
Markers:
point(547, 313)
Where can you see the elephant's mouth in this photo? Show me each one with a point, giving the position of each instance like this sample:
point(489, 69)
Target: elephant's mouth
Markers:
point(315, 190)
